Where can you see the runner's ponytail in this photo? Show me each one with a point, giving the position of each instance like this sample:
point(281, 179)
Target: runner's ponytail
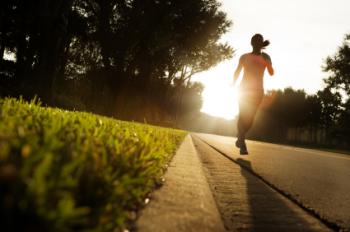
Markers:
point(258, 42)
point(265, 43)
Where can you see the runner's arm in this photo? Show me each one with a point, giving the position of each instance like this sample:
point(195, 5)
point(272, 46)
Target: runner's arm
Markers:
point(268, 64)
point(270, 69)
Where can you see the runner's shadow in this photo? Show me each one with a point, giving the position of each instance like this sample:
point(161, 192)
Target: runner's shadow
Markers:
point(269, 210)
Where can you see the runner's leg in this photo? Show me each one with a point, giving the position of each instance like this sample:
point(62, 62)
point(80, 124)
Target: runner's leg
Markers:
point(248, 106)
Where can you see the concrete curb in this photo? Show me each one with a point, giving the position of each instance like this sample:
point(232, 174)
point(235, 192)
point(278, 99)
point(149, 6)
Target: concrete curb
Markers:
point(185, 201)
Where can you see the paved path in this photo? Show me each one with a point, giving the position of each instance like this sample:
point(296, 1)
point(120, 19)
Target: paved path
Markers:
point(248, 204)
point(210, 188)
point(317, 180)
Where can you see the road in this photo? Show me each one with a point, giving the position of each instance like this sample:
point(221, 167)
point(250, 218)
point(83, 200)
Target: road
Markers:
point(318, 181)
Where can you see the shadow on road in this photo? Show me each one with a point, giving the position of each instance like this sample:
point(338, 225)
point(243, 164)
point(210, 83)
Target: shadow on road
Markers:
point(269, 210)
point(246, 202)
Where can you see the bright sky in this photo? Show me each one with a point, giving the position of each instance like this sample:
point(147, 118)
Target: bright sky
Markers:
point(302, 34)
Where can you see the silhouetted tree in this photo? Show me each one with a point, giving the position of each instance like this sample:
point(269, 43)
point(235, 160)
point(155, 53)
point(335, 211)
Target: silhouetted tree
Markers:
point(343, 128)
point(338, 66)
point(283, 110)
point(286, 114)
point(152, 39)
point(314, 113)
point(136, 44)
point(101, 50)
point(35, 32)
point(331, 102)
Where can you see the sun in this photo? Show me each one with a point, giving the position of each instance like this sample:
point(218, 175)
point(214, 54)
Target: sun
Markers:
point(219, 95)
point(220, 101)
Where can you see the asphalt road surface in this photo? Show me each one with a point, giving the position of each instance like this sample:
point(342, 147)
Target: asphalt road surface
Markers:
point(319, 181)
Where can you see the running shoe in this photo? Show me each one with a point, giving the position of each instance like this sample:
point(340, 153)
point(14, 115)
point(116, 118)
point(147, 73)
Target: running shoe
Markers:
point(243, 149)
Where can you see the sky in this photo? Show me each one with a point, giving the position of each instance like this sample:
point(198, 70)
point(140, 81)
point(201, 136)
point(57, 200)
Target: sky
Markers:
point(302, 34)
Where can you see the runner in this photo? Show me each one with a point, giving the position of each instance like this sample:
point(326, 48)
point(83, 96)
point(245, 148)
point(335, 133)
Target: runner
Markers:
point(251, 89)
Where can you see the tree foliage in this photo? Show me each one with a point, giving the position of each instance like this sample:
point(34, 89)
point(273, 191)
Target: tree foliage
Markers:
point(109, 48)
point(35, 32)
point(294, 115)
point(338, 83)
point(338, 66)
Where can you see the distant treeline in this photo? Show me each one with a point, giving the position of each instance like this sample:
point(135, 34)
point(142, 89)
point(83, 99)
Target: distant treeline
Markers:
point(129, 59)
point(293, 116)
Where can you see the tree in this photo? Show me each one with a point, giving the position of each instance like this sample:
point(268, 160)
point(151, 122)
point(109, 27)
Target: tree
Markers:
point(110, 48)
point(286, 114)
point(286, 109)
point(338, 82)
point(136, 44)
point(35, 32)
point(331, 108)
point(152, 39)
point(314, 113)
point(344, 124)
point(338, 66)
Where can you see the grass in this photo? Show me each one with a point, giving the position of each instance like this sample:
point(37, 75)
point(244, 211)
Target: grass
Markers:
point(74, 171)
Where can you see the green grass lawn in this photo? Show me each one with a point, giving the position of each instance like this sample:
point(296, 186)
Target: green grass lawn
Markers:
point(74, 171)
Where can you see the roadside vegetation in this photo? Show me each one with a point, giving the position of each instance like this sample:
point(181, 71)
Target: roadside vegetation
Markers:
point(74, 171)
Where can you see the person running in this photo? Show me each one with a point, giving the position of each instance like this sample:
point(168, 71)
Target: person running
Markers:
point(251, 89)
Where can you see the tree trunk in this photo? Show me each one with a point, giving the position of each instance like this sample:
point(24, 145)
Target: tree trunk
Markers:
point(54, 23)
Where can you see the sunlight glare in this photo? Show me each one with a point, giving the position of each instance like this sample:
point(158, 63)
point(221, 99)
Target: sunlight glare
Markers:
point(219, 95)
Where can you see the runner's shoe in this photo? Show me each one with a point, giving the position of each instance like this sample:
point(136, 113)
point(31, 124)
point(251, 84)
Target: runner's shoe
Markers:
point(243, 149)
